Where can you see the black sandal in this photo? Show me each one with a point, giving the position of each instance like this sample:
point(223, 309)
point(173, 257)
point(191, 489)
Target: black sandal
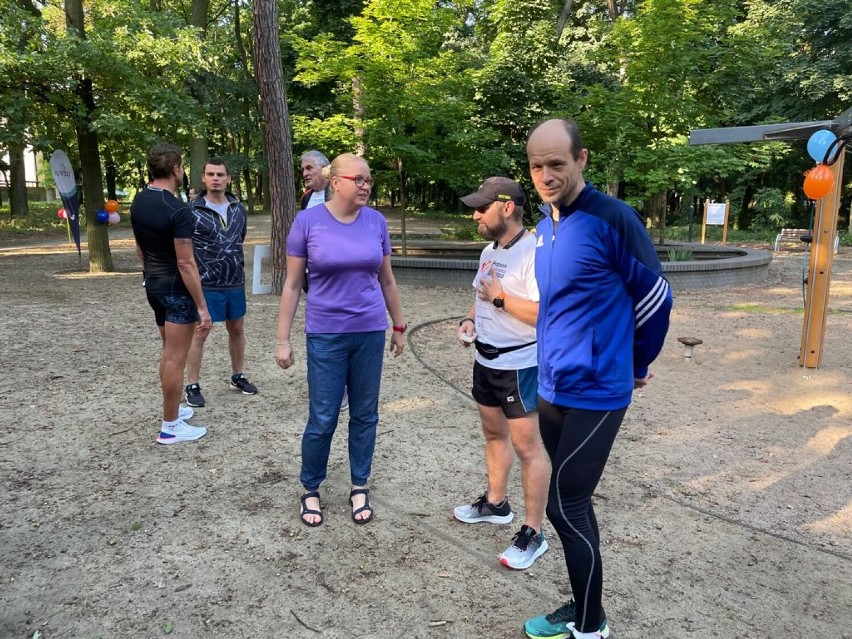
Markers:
point(304, 510)
point(366, 506)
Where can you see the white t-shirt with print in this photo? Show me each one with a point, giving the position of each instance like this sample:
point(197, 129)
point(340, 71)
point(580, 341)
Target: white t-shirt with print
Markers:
point(516, 269)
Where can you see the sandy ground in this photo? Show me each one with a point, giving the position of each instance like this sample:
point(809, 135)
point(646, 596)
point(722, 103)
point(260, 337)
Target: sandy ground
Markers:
point(725, 509)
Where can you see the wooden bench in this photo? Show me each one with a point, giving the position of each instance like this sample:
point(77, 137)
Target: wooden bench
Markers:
point(787, 236)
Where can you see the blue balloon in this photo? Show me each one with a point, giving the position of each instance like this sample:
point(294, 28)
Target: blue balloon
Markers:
point(103, 216)
point(818, 144)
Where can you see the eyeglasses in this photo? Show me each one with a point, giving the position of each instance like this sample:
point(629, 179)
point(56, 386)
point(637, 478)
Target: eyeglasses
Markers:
point(359, 180)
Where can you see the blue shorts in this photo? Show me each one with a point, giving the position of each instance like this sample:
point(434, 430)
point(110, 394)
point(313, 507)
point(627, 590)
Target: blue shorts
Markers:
point(177, 309)
point(515, 391)
point(226, 303)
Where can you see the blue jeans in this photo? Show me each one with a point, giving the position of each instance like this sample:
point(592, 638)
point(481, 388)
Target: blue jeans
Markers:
point(337, 361)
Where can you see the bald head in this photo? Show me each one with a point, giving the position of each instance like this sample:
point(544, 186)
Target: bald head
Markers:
point(556, 125)
point(557, 159)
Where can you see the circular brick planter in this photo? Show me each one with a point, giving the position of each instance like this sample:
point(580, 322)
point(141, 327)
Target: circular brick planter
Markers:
point(453, 266)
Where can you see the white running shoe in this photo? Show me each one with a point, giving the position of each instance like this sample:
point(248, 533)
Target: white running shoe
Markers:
point(185, 412)
point(180, 432)
point(344, 403)
point(527, 546)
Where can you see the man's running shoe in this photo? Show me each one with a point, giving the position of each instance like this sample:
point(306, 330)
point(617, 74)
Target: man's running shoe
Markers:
point(185, 412)
point(482, 511)
point(193, 396)
point(180, 432)
point(344, 403)
point(527, 546)
point(559, 624)
point(240, 383)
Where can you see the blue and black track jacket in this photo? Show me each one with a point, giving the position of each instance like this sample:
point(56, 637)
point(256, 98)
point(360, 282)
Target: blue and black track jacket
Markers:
point(605, 305)
point(218, 246)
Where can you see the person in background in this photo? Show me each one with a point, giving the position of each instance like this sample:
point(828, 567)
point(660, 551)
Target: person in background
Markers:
point(218, 234)
point(603, 317)
point(313, 163)
point(502, 321)
point(316, 183)
point(346, 247)
point(162, 227)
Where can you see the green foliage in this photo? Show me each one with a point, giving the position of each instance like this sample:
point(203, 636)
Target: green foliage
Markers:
point(440, 96)
point(466, 232)
point(42, 220)
point(769, 210)
point(679, 254)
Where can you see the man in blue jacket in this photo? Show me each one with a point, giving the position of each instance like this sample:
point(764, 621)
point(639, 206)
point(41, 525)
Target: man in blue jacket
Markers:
point(218, 233)
point(603, 316)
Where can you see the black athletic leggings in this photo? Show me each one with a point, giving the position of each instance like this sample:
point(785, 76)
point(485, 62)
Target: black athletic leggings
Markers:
point(578, 444)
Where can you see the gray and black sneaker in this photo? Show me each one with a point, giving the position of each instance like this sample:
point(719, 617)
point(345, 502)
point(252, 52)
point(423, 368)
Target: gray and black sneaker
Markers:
point(193, 396)
point(240, 383)
point(527, 546)
point(483, 511)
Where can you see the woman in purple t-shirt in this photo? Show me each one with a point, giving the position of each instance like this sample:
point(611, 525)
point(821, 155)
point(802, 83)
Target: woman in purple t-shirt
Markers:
point(346, 248)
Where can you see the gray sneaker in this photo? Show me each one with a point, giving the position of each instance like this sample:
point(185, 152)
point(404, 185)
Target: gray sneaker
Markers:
point(483, 511)
point(527, 546)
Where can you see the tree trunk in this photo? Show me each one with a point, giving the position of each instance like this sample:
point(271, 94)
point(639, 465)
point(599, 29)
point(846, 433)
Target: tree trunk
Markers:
point(276, 139)
point(563, 17)
point(403, 202)
point(246, 136)
point(655, 206)
point(358, 112)
point(18, 201)
point(110, 178)
point(198, 139)
point(100, 258)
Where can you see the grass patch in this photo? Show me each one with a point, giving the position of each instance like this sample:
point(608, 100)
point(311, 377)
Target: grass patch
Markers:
point(42, 221)
point(758, 309)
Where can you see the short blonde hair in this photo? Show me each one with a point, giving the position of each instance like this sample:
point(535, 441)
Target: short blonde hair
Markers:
point(336, 166)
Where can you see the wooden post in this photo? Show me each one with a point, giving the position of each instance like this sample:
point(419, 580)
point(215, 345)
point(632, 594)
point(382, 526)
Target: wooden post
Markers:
point(725, 226)
point(819, 272)
point(704, 221)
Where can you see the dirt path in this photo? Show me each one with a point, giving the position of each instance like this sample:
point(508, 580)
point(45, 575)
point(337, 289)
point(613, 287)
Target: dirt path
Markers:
point(725, 508)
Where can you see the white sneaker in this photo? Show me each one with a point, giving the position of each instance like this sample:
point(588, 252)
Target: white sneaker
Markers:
point(185, 412)
point(344, 403)
point(527, 546)
point(180, 432)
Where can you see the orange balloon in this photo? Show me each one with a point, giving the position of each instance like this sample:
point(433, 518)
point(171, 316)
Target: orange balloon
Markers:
point(819, 182)
point(111, 206)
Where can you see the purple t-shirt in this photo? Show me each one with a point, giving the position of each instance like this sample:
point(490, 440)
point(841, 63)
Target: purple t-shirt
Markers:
point(344, 260)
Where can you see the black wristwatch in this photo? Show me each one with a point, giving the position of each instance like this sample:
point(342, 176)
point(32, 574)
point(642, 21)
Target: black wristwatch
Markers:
point(499, 301)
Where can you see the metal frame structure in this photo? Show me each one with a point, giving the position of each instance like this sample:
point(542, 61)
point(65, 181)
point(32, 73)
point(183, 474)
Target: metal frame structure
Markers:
point(825, 219)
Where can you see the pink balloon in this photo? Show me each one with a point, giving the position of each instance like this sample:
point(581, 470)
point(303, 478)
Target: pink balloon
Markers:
point(61, 214)
point(114, 218)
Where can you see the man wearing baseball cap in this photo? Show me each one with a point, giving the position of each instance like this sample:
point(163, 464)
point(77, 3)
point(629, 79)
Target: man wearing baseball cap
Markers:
point(501, 325)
